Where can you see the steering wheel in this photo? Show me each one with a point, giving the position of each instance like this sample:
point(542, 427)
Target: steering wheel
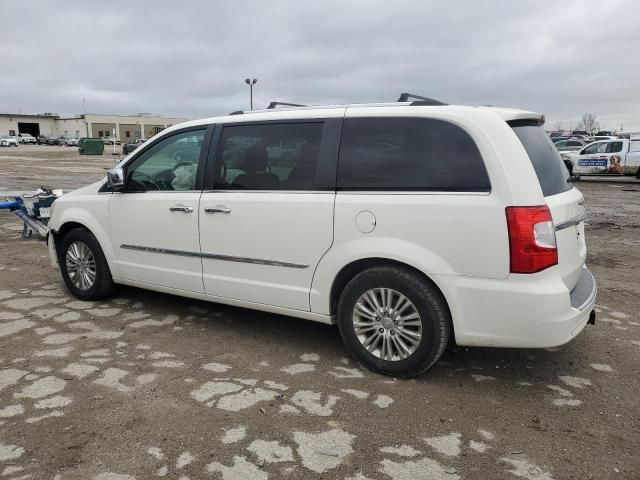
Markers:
point(145, 182)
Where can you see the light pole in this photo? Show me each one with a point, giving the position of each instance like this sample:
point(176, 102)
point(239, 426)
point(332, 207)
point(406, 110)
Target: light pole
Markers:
point(251, 83)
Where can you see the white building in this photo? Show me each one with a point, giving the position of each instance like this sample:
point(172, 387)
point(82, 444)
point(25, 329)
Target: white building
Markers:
point(126, 127)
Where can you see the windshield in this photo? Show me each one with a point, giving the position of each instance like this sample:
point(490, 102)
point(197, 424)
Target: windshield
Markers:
point(550, 169)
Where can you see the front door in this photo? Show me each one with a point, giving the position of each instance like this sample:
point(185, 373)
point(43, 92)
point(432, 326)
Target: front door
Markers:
point(269, 218)
point(593, 159)
point(154, 221)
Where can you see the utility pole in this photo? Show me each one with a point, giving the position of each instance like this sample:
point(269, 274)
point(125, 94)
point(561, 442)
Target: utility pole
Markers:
point(251, 83)
point(84, 116)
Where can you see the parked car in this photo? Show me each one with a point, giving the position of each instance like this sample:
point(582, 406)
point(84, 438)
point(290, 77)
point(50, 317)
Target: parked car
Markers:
point(566, 147)
point(56, 141)
point(129, 147)
point(570, 145)
point(438, 223)
point(26, 138)
point(609, 157)
point(110, 141)
point(42, 139)
point(8, 141)
point(71, 142)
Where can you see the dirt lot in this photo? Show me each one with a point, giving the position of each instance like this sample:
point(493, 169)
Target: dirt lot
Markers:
point(148, 385)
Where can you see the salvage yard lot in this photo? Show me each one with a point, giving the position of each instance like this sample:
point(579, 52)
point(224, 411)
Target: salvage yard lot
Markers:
point(147, 385)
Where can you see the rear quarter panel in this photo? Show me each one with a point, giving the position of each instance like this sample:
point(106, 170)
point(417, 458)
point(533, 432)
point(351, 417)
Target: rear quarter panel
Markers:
point(439, 233)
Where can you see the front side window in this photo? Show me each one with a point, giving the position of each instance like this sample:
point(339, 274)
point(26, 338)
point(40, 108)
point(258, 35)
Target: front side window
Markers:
point(282, 156)
point(600, 147)
point(169, 165)
point(409, 154)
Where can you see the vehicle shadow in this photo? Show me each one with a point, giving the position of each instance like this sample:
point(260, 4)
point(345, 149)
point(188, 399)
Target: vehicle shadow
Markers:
point(281, 335)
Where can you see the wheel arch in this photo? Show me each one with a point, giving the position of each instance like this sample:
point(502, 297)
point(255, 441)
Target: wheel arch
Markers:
point(64, 229)
point(96, 230)
point(349, 271)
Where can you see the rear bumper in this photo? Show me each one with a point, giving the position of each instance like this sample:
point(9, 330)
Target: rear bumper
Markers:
point(522, 311)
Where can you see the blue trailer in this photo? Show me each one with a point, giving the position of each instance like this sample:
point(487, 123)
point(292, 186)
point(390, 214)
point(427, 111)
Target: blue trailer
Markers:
point(33, 209)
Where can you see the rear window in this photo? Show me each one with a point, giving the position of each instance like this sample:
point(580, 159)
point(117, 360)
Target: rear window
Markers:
point(552, 173)
point(411, 154)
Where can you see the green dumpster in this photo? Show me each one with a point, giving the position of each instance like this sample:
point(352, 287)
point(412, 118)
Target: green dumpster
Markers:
point(90, 146)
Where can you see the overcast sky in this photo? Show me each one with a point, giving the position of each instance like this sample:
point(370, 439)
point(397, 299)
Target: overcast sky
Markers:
point(190, 58)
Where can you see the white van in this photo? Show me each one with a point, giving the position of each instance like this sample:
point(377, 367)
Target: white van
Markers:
point(610, 157)
point(408, 224)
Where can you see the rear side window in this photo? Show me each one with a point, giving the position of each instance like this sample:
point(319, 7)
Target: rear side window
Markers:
point(614, 147)
point(409, 154)
point(552, 173)
point(269, 156)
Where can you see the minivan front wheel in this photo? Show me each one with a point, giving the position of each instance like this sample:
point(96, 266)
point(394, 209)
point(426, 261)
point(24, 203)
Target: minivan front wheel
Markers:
point(394, 321)
point(83, 266)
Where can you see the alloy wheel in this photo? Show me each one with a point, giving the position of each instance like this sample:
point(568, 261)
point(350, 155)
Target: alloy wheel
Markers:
point(81, 265)
point(387, 324)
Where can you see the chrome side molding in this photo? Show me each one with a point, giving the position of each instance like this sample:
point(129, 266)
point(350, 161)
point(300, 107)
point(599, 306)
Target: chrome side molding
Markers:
point(214, 256)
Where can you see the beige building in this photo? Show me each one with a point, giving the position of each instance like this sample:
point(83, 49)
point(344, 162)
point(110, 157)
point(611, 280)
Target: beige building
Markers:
point(126, 127)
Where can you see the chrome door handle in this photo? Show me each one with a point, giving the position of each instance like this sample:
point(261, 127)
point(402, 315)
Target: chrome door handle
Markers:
point(217, 209)
point(181, 208)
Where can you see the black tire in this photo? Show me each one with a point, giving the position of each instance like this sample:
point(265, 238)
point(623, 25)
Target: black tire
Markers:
point(638, 173)
point(429, 304)
point(103, 285)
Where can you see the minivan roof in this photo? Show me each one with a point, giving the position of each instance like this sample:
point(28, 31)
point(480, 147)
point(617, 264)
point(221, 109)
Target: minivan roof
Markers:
point(507, 114)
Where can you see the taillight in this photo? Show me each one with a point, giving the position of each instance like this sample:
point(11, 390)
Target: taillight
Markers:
point(532, 239)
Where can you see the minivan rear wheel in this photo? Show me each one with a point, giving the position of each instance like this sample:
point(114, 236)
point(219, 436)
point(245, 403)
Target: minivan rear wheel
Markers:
point(394, 321)
point(83, 266)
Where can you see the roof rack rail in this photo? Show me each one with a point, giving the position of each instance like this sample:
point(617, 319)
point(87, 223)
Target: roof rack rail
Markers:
point(404, 97)
point(273, 105)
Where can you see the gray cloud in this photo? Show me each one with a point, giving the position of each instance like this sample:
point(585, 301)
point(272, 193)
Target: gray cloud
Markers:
point(190, 58)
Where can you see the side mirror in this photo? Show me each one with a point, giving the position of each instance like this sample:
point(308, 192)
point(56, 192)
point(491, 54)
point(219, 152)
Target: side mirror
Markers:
point(115, 178)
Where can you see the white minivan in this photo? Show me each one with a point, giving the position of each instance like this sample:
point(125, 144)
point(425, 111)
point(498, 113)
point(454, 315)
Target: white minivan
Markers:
point(409, 224)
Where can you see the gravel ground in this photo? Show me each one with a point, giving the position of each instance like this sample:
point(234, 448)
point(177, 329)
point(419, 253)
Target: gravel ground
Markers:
point(147, 385)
